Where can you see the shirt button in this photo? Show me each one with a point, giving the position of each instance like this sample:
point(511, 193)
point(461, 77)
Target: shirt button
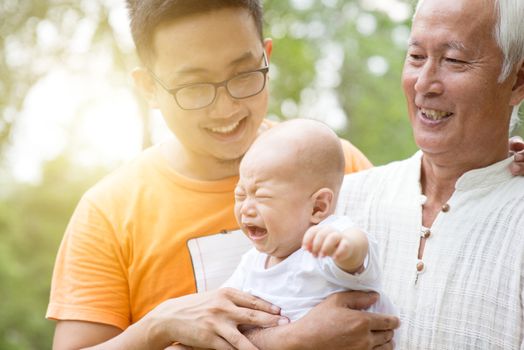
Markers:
point(425, 233)
point(445, 208)
point(420, 266)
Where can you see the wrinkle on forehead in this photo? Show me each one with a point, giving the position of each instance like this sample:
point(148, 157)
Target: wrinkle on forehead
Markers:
point(457, 12)
point(463, 22)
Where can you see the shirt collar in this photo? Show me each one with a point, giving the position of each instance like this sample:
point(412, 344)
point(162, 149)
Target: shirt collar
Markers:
point(491, 175)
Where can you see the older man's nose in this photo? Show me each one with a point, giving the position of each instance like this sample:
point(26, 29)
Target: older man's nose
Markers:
point(429, 81)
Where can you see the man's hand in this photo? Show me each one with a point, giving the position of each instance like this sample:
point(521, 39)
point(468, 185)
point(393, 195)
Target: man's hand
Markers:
point(336, 323)
point(209, 320)
point(516, 147)
point(206, 320)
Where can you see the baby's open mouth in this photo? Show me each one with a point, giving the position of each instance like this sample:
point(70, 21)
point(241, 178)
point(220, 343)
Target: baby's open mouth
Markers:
point(255, 232)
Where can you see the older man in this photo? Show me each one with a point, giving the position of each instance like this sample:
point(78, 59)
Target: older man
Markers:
point(451, 218)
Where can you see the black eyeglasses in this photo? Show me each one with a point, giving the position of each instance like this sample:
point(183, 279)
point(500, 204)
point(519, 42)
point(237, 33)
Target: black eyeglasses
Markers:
point(200, 95)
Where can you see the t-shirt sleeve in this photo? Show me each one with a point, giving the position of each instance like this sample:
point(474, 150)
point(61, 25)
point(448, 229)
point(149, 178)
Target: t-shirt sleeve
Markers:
point(355, 159)
point(90, 278)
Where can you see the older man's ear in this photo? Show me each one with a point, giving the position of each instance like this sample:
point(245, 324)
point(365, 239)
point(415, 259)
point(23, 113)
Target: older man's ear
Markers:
point(517, 92)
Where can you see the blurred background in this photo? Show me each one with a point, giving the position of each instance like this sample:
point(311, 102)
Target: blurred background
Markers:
point(69, 114)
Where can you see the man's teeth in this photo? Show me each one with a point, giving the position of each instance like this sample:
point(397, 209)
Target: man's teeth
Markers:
point(434, 114)
point(225, 129)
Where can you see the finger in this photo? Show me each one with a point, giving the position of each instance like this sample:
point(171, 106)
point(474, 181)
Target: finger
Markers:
point(517, 169)
point(258, 318)
point(220, 344)
point(387, 346)
point(355, 300)
point(307, 241)
point(383, 322)
point(234, 339)
point(379, 338)
point(319, 240)
point(343, 250)
point(331, 244)
point(249, 301)
point(516, 144)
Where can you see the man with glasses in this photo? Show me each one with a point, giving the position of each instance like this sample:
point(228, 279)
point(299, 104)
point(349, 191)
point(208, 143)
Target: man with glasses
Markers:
point(130, 260)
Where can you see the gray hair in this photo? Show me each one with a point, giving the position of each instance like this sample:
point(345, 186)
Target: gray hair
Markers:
point(509, 34)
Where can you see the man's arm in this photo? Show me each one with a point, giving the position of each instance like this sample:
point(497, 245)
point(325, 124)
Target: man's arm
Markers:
point(79, 334)
point(336, 323)
point(201, 320)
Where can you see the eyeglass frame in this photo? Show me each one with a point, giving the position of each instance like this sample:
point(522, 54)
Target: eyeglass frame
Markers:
point(264, 70)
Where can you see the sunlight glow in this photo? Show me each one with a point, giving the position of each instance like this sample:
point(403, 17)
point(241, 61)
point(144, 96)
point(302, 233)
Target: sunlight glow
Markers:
point(95, 121)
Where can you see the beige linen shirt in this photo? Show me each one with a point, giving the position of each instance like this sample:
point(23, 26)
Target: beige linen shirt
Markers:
point(470, 292)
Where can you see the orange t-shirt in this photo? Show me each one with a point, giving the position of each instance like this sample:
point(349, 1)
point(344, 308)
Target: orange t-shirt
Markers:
point(125, 249)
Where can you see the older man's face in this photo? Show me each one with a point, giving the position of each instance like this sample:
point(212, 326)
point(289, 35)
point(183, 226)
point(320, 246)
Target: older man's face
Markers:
point(456, 106)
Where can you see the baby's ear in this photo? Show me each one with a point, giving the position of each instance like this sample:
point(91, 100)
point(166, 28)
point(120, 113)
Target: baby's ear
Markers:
point(322, 205)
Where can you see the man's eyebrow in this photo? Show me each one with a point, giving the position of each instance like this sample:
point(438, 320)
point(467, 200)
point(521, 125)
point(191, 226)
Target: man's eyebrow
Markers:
point(454, 45)
point(412, 42)
point(189, 70)
point(247, 56)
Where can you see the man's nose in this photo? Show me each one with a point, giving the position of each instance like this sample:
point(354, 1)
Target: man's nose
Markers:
point(428, 79)
point(224, 106)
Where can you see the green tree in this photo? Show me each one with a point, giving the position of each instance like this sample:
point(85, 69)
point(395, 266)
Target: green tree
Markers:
point(37, 36)
point(32, 221)
point(350, 55)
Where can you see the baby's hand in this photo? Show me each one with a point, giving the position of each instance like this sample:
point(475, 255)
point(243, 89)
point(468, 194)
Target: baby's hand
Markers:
point(348, 248)
point(324, 240)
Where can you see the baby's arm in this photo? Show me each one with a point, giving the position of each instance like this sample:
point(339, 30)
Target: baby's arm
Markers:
point(348, 248)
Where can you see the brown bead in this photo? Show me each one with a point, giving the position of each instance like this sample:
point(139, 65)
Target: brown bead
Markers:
point(445, 208)
point(425, 233)
point(420, 266)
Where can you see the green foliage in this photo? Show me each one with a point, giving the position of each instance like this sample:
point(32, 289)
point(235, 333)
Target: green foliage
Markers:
point(373, 103)
point(32, 221)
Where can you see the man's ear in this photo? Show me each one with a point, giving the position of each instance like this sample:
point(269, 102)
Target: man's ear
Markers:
point(322, 204)
point(146, 85)
point(268, 46)
point(517, 92)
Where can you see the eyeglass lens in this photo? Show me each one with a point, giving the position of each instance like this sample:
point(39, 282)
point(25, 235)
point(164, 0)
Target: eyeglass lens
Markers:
point(201, 95)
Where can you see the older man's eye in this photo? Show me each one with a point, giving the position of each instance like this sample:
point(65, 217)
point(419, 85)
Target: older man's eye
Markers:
point(455, 60)
point(416, 57)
